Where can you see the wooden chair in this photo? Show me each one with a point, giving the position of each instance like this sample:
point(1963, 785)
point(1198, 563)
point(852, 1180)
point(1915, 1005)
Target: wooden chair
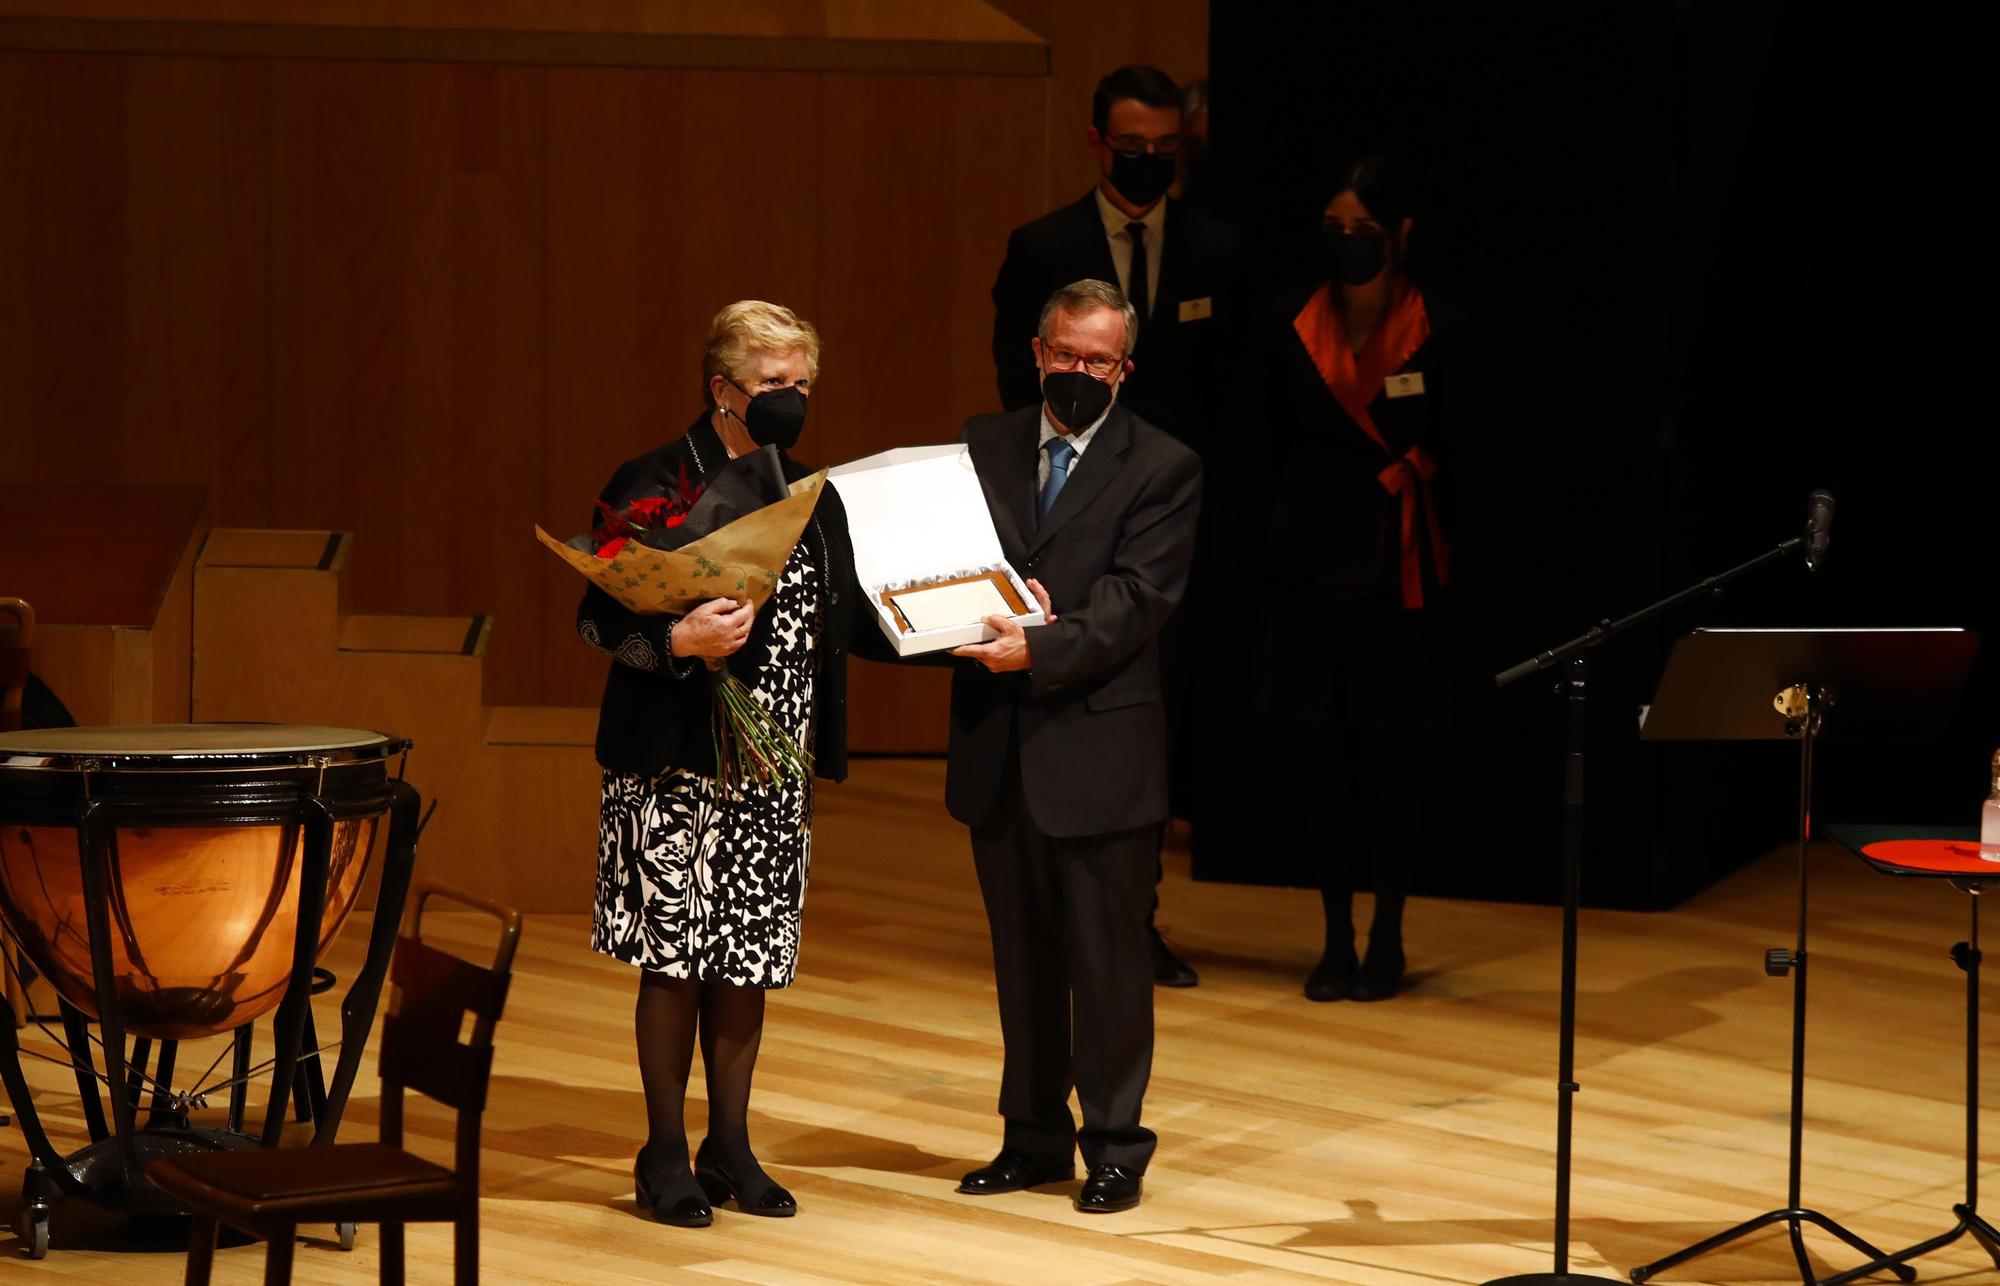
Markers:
point(269, 1192)
point(17, 640)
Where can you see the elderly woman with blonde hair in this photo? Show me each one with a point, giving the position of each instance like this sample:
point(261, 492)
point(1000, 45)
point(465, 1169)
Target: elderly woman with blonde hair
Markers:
point(699, 887)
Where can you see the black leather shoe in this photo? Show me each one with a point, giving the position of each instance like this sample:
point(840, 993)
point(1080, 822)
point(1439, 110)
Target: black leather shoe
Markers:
point(1169, 970)
point(1381, 973)
point(1333, 977)
point(1109, 1189)
point(1012, 1171)
point(743, 1181)
point(668, 1192)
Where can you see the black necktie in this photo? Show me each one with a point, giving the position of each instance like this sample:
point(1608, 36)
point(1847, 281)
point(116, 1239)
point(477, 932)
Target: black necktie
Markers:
point(1139, 291)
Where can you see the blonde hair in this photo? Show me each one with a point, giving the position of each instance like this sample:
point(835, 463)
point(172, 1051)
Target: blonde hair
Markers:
point(751, 325)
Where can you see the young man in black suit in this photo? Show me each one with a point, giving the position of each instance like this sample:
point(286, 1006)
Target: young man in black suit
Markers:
point(1057, 752)
point(1174, 264)
point(1179, 286)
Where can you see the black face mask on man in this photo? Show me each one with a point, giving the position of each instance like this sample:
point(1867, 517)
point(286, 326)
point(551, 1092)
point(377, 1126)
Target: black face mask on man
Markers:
point(1141, 177)
point(1355, 258)
point(774, 418)
point(1075, 398)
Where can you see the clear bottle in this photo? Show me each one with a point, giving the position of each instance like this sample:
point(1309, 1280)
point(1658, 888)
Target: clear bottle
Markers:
point(1989, 818)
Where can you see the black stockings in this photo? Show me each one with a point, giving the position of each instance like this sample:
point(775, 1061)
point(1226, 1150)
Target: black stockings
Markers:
point(730, 1022)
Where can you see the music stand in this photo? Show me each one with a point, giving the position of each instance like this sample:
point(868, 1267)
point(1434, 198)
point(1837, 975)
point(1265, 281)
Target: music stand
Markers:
point(1773, 684)
point(1574, 688)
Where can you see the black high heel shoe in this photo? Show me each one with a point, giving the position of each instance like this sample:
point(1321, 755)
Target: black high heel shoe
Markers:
point(1333, 975)
point(668, 1192)
point(744, 1182)
point(1380, 976)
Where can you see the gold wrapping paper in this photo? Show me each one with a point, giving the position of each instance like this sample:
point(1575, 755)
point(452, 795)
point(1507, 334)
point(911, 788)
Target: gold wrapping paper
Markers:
point(742, 560)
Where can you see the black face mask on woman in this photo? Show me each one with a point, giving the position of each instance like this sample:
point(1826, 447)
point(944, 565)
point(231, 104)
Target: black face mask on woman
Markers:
point(1355, 258)
point(775, 417)
point(1075, 398)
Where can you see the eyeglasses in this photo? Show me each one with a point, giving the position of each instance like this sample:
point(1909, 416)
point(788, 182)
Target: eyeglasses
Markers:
point(1138, 145)
point(1062, 359)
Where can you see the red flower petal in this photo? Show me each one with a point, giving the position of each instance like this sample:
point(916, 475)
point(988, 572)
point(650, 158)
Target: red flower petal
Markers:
point(611, 548)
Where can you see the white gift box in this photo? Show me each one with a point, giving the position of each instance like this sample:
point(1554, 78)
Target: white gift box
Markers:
point(917, 516)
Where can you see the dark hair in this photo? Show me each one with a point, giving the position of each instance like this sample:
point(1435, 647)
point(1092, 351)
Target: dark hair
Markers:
point(1148, 85)
point(1378, 184)
point(1194, 98)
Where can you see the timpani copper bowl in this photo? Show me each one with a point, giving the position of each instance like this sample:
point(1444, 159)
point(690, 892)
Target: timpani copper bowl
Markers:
point(179, 882)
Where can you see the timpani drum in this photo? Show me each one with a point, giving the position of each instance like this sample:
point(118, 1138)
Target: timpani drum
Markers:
point(177, 882)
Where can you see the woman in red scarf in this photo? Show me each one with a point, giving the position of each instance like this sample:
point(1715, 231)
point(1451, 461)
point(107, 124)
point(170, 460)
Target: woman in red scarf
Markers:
point(1352, 656)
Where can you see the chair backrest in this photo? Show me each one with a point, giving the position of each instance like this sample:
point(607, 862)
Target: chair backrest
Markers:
point(17, 640)
point(435, 992)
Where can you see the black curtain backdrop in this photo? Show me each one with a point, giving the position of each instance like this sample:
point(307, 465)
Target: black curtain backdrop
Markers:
point(1714, 255)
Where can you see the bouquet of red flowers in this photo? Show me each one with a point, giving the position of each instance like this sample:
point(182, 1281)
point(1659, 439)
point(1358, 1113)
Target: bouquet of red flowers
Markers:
point(647, 513)
point(729, 538)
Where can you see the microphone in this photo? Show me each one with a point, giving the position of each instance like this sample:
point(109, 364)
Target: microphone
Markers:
point(1819, 527)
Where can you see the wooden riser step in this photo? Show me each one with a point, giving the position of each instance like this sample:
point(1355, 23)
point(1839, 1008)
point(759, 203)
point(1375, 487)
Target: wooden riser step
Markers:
point(517, 785)
point(440, 635)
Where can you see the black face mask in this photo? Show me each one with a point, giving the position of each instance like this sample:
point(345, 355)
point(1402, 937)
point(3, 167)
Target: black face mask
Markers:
point(1355, 258)
point(1075, 398)
point(775, 417)
point(1141, 177)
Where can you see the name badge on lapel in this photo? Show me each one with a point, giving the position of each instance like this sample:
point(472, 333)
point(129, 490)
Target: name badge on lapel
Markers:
point(1196, 309)
point(1411, 385)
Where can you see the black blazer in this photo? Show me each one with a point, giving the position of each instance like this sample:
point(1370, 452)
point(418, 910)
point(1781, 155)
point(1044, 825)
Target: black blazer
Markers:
point(658, 712)
point(1177, 371)
point(1316, 486)
point(1085, 721)
point(1310, 531)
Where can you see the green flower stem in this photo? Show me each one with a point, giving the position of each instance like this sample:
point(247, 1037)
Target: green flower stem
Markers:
point(752, 748)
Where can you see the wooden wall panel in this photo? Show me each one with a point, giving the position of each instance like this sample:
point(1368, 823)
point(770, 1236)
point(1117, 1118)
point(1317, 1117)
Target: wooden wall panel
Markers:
point(61, 315)
point(935, 36)
point(930, 171)
point(407, 317)
point(670, 195)
point(132, 311)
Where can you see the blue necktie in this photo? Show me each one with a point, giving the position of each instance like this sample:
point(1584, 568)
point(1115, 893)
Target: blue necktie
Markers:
point(1060, 454)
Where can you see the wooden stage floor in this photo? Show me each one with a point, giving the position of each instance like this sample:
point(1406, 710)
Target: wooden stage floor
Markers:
point(1403, 1142)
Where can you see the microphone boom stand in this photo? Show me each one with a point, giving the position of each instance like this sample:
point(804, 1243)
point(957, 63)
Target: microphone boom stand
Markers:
point(1574, 687)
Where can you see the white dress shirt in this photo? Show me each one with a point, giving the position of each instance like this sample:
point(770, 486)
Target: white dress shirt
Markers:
point(1077, 440)
point(1155, 221)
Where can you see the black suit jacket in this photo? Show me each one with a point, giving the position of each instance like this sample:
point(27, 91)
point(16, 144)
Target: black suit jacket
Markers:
point(1177, 368)
point(1085, 721)
point(658, 712)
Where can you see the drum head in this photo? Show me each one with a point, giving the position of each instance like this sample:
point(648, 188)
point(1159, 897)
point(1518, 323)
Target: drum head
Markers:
point(194, 745)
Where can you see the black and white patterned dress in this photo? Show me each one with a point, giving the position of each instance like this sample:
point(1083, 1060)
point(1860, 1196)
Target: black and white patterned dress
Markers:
point(696, 883)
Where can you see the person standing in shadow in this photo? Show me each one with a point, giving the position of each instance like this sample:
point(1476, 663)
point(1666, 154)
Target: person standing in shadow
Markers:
point(1350, 657)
